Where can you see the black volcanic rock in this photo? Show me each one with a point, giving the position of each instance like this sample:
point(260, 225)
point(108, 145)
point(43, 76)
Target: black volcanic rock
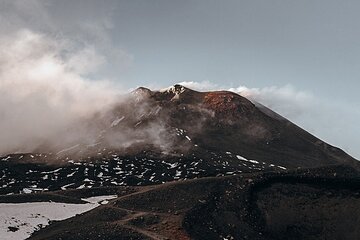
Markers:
point(302, 204)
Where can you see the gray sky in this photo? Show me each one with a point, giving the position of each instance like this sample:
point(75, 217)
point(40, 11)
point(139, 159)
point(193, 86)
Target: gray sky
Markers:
point(301, 58)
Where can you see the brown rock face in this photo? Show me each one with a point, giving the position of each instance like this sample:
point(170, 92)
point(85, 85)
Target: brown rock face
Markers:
point(228, 103)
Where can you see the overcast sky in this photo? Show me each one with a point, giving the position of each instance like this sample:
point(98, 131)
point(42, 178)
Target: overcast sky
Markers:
point(301, 58)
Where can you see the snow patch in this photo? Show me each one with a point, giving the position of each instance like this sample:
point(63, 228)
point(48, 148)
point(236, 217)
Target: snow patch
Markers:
point(117, 121)
point(281, 167)
point(68, 149)
point(25, 218)
point(241, 158)
point(6, 159)
point(99, 199)
point(247, 160)
point(177, 89)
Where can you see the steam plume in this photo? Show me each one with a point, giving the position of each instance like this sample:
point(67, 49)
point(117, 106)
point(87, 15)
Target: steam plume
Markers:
point(43, 90)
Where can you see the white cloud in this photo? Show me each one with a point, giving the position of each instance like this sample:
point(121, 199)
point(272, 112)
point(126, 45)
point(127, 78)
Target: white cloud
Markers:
point(85, 61)
point(41, 92)
point(49, 64)
point(286, 99)
point(76, 27)
point(200, 86)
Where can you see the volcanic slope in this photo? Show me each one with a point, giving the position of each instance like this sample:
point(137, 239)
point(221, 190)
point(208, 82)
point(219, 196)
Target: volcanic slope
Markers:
point(320, 203)
point(171, 134)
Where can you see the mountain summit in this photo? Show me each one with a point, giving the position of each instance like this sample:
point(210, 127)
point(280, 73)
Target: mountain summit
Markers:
point(175, 133)
point(227, 122)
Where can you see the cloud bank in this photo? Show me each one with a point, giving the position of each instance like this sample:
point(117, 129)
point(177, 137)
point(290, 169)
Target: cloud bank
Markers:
point(43, 90)
point(52, 74)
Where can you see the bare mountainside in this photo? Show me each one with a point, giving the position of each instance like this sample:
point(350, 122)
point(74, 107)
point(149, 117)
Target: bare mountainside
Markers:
point(176, 133)
point(190, 165)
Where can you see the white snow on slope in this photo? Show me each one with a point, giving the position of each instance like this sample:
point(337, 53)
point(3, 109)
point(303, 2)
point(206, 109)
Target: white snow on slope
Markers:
point(117, 121)
point(247, 160)
point(68, 149)
point(241, 158)
point(29, 217)
point(99, 199)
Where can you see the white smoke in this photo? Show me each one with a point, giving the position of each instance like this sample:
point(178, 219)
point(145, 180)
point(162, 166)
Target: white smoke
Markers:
point(286, 100)
point(200, 86)
point(43, 90)
point(49, 68)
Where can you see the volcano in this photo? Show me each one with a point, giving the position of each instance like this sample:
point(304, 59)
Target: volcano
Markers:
point(191, 165)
